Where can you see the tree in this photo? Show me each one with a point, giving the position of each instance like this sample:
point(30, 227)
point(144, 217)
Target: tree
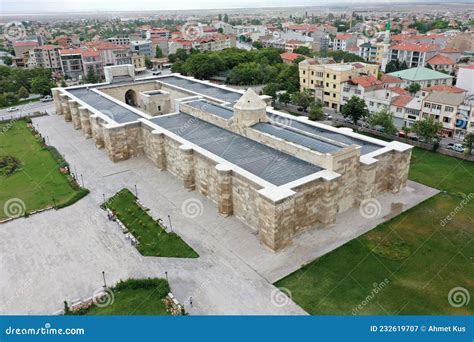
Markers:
point(384, 119)
point(270, 89)
point(257, 45)
point(302, 99)
point(7, 60)
point(220, 30)
point(158, 52)
point(91, 76)
point(413, 88)
point(316, 111)
point(303, 50)
point(284, 98)
point(355, 108)
point(148, 62)
point(427, 129)
point(23, 93)
point(226, 18)
point(469, 143)
point(41, 85)
point(203, 65)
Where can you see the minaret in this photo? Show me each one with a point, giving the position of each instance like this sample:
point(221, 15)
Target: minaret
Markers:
point(386, 44)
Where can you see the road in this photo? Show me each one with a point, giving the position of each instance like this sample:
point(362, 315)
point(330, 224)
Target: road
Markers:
point(31, 107)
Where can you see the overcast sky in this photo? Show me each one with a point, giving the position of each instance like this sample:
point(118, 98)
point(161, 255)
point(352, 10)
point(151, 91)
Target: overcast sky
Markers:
point(32, 6)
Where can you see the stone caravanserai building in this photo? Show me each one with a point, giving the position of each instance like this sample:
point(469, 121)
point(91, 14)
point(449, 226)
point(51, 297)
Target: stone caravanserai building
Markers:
point(278, 173)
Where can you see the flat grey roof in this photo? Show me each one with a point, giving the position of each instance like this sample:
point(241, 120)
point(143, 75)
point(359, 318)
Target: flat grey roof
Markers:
point(201, 88)
point(205, 106)
point(116, 112)
point(265, 162)
point(297, 138)
point(366, 147)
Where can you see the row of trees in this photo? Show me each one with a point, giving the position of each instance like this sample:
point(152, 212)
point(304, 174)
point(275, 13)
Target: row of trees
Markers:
point(16, 83)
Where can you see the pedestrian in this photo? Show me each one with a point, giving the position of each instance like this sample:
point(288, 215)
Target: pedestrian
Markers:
point(191, 301)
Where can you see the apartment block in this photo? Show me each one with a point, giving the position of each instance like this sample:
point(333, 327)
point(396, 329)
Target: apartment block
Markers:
point(45, 56)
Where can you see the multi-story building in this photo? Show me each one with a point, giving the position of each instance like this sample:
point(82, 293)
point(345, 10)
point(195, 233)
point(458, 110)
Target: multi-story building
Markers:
point(71, 63)
point(138, 62)
point(405, 110)
point(465, 78)
point(45, 56)
point(158, 33)
point(443, 107)
point(112, 54)
point(326, 80)
point(424, 77)
point(91, 61)
point(343, 41)
point(22, 46)
point(372, 52)
point(215, 42)
point(414, 55)
point(142, 47)
point(119, 40)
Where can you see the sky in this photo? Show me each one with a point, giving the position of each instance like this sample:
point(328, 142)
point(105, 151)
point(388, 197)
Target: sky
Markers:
point(45, 6)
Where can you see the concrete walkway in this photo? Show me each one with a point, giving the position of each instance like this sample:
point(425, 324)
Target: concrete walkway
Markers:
point(58, 255)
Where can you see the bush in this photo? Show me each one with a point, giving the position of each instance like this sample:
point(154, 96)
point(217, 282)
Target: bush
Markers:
point(76, 197)
point(160, 285)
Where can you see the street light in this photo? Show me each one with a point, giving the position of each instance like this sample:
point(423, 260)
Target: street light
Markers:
point(103, 195)
point(166, 275)
point(82, 180)
point(136, 191)
point(54, 203)
point(103, 276)
point(169, 220)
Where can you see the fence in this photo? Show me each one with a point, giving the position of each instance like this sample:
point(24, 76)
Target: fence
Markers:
point(18, 116)
point(419, 144)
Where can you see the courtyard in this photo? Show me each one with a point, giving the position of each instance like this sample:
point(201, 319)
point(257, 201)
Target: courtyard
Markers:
point(418, 257)
point(233, 274)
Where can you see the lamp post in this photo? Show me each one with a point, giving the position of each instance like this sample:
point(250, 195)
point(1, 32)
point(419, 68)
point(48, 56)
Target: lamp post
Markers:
point(82, 180)
point(136, 191)
point(54, 203)
point(166, 275)
point(169, 220)
point(103, 195)
point(103, 276)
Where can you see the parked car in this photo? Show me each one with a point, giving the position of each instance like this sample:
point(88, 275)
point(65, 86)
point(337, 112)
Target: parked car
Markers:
point(156, 73)
point(12, 109)
point(328, 116)
point(455, 147)
point(47, 98)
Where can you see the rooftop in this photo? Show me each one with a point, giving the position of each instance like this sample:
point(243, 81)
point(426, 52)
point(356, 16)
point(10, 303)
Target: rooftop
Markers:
point(265, 162)
point(420, 74)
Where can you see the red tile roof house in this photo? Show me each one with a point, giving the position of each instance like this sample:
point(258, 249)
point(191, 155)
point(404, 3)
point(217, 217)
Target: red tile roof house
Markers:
point(441, 63)
point(415, 55)
point(290, 57)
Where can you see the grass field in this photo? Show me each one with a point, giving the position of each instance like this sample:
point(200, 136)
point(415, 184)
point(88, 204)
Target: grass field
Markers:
point(133, 297)
point(37, 180)
point(154, 240)
point(407, 265)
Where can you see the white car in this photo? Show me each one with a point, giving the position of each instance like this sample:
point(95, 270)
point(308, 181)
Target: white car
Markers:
point(47, 98)
point(12, 109)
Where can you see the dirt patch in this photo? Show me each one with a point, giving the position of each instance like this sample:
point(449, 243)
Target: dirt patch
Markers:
point(9, 165)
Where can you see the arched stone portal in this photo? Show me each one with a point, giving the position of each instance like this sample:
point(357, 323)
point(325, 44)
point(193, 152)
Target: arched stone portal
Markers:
point(131, 98)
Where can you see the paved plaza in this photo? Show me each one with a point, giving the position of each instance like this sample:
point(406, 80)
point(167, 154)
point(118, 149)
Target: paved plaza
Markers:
point(60, 255)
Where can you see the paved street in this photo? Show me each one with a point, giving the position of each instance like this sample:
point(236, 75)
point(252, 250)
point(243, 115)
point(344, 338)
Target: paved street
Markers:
point(31, 107)
point(59, 255)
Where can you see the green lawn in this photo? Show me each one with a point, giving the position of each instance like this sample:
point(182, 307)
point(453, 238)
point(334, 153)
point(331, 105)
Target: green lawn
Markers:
point(154, 240)
point(37, 179)
point(419, 259)
point(133, 297)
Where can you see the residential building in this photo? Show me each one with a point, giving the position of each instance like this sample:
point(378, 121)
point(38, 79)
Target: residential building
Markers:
point(465, 78)
point(441, 63)
point(343, 40)
point(423, 76)
point(22, 46)
point(214, 42)
point(326, 80)
point(138, 62)
point(45, 56)
point(406, 110)
point(443, 107)
point(111, 54)
point(91, 61)
point(290, 57)
point(142, 47)
point(414, 55)
point(158, 33)
point(71, 63)
point(119, 40)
